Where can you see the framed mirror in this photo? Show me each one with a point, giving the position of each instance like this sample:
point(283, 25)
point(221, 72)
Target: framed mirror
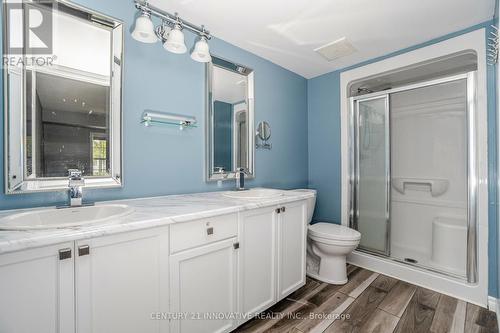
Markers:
point(62, 96)
point(229, 120)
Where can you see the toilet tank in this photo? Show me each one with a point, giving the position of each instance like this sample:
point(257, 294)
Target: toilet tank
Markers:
point(311, 203)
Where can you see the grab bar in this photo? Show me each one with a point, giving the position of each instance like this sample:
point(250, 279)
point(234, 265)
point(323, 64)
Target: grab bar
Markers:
point(437, 186)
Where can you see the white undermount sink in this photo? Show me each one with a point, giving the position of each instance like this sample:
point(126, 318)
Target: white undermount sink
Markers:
point(254, 193)
point(64, 217)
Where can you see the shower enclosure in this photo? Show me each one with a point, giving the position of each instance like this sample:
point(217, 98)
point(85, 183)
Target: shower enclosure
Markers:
point(414, 176)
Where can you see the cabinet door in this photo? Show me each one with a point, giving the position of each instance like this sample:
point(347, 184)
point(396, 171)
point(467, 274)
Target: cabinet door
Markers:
point(203, 284)
point(37, 290)
point(257, 260)
point(122, 282)
point(292, 231)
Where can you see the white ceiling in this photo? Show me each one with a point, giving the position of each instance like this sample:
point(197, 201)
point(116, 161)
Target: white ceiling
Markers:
point(286, 31)
point(61, 94)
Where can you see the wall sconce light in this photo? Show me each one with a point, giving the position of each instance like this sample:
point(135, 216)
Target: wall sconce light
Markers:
point(173, 40)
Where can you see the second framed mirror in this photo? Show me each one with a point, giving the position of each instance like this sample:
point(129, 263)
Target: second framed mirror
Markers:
point(229, 120)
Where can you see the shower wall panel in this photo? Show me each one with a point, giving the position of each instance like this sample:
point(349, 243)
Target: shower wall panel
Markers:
point(429, 175)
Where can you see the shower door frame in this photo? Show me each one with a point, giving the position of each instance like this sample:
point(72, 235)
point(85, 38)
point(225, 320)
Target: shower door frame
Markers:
point(355, 170)
point(472, 171)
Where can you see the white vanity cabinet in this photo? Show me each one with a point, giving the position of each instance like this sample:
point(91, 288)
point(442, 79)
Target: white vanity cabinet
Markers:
point(272, 255)
point(122, 282)
point(203, 274)
point(292, 238)
point(203, 288)
point(258, 262)
point(37, 291)
point(197, 276)
point(116, 283)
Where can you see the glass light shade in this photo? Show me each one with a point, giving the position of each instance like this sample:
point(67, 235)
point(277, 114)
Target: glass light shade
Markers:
point(144, 30)
point(175, 41)
point(201, 51)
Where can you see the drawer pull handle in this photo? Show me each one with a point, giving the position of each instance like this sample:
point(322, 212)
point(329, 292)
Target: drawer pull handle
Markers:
point(236, 246)
point(64, 254)
point(210, 231)
point(83, 250)
point(283, 209)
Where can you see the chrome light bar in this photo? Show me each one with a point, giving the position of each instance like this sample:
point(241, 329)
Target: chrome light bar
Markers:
point(171, 20)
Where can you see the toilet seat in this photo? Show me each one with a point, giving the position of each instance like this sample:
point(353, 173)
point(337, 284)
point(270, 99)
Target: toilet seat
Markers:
point(331, 231)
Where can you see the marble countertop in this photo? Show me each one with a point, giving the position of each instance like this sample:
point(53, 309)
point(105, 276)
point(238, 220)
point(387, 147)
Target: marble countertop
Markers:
point(147, 213)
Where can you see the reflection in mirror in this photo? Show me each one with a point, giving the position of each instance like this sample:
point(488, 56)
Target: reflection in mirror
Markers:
point(65, 113)
point(230, 140)
point(230, 120)
point(67, 126)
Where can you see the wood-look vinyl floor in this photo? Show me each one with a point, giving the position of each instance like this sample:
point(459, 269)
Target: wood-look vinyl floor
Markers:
point(371, 302)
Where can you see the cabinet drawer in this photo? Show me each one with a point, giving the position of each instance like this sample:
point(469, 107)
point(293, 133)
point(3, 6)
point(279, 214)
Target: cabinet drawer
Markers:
point(187, 235)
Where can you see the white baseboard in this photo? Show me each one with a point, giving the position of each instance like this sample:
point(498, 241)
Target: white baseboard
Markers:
point(497, 310)
point(493, 304)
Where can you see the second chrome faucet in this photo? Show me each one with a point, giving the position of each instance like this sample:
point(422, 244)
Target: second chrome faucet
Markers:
point(240, 179)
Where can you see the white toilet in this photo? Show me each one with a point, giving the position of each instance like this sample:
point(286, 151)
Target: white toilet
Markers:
point(328, 245)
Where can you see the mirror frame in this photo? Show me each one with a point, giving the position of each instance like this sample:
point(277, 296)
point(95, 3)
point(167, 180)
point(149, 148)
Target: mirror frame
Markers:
point(209, 125)
point(52, 184)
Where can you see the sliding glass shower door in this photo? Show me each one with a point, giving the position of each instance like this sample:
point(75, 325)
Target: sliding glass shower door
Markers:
point(371, 193)
point(414, 176)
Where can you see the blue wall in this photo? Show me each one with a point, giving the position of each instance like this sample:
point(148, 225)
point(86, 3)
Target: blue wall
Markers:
point(324, 147)
point(160, 161)
point(323, 98)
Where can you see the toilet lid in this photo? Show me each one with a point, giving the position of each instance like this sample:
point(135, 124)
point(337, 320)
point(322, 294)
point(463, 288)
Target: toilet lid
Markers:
point(333, 231)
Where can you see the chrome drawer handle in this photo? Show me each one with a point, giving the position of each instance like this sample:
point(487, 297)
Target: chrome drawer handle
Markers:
point(83, 250)
point(64, 254)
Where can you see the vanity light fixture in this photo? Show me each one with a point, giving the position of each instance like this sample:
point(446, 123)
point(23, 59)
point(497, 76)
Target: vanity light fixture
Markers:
point(144, 28)
point(201, 51)
point(173, 39)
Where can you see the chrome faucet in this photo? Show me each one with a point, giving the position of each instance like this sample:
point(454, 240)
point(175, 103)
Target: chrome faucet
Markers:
point(240, 179)
point(76, 183)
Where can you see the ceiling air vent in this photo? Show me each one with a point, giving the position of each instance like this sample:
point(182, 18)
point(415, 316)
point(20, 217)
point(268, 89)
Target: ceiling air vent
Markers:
point(337, 49)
